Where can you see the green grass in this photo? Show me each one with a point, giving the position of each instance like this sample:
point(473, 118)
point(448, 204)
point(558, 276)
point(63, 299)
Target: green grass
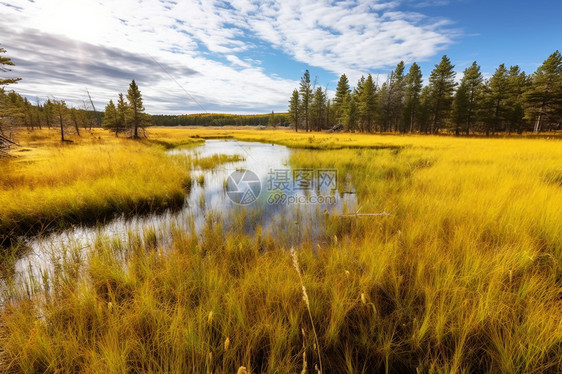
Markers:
point(464, 276)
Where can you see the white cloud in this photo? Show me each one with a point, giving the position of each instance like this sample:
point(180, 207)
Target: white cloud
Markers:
point(63, 46)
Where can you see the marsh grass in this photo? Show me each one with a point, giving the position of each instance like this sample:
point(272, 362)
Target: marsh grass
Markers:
point(464, 276)
point(55, 185)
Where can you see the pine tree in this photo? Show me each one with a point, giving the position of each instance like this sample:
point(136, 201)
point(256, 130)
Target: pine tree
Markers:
point(384, 103)
point(414, 85)
point(442, 84)
point(397, 94)
point(121, 111)
point(544, 97)
point(368, 104)
point(425, 109)
point(461, 104)
point(318, 109)
point(294, 109)
point(136, 108)
point(472, 80)
point(496, 92)
point(6, 61)
point(350, 113)
point(48, 110)
point(110, 117)
point(517, 83)
point(305, 91)
point(342, 91)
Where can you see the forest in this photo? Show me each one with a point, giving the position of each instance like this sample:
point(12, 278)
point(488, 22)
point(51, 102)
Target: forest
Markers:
point(218, 119)
point(510, 101)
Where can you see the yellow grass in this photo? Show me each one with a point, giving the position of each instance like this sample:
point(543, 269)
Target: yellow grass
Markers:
point(49, 184)
point(464, 276)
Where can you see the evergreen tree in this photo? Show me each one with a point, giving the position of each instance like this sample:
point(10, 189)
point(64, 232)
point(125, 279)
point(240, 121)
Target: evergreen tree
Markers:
point(48, 112)
point(472, 80)
point(368, 105)
point(461, 104)
point(517, 83)
point(350, 113)
point(342, 92)
point(544, 97)
point(496, 91)
point(318, 109)
point(414, 85)
point(442, 84)
point(137, 116)
point(6, 61)
point(122, 110)
point(384, 103)
point(294, 109)
point(397, 95)
point(273, 121)
point(425, 111)
point(110, 117)
point(358, 90)
point(305, 91)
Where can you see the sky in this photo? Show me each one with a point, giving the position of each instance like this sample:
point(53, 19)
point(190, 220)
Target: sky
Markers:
point(246, 56)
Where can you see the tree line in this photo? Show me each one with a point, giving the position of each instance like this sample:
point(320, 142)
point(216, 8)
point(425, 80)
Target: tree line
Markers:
point(17, 111)
point(509, 101)
point(217, 119)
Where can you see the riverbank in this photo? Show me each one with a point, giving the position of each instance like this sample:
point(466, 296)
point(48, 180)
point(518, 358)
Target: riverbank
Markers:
point(49, 185)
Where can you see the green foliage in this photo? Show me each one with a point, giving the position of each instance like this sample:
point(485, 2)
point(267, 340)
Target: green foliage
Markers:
point(218, 119)
point(294, 109)
point(544, 97)
point(472, 82)
point(6, 61)
point(414, 85)
point(318, 110)
point(136, 115)
point(110, 117)
point(305, 90)
point(442, 84)
point(367, 105)
point(342, 95)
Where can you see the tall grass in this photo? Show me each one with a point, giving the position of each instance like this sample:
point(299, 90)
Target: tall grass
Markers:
point(464, 276)
point(50, 185)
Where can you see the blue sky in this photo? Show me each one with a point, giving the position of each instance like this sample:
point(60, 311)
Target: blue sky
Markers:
point(246, 56)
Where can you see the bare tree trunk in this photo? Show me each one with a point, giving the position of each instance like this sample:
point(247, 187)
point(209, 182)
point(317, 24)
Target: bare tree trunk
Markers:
point(95, 112)
point(61, 125)
point(538, 123)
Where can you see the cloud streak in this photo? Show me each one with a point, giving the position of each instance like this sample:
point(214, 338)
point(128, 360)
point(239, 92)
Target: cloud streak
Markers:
point(210, 47)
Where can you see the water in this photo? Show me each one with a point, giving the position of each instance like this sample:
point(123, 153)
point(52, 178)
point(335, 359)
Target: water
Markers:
point(291, 212)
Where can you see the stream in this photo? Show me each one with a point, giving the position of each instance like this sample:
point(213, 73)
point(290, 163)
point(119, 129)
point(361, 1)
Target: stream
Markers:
point(260, 191)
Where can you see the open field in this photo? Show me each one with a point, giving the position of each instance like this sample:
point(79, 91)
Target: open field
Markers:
point(464, 275)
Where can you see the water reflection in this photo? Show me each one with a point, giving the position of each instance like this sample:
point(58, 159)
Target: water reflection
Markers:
point(298, 217)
